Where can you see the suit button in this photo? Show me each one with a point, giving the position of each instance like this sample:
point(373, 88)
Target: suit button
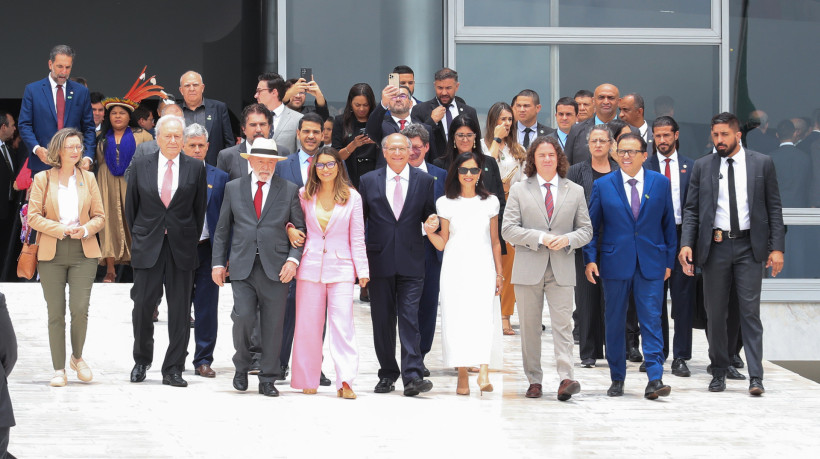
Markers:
point(323, 237)
point(636, 233)
point(324, 251)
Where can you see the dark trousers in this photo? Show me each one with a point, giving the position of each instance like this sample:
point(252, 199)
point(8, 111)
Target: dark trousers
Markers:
point(146, 292)
point(647, 294)
point(289, 325)
point(396, 299)
point(683, 291)
point(206, 308)
point(589, 304)
point(733, 261)
point(428, 305)
point(4, 442)
point(258, 294)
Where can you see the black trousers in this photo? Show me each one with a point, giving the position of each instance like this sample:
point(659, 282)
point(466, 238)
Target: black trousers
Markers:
point(146, 293)
point(683, 291)
point(589, 306)
point(396, 299)
point(428, 305)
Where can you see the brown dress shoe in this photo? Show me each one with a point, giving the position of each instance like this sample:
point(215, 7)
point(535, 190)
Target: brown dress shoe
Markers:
point(205, 370)
point(567, 389)
point(534, 391)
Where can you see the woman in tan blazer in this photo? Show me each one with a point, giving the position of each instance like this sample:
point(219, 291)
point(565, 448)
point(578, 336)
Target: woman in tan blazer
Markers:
point(66, 210)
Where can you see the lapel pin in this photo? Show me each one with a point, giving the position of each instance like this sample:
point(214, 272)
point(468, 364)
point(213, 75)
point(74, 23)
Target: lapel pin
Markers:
point(646, 196)
point(684, 166)
point(683, 171)
point(210, 186)
point(209, 118)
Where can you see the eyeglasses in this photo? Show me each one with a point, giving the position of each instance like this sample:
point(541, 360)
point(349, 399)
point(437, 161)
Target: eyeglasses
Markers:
point(401, 97)
point(471, 170)
point(599, 141)
point(463, 136)
point(258, 90)
point(396, 149)
point(74, 148)
point(628, 152)
point(329, 165)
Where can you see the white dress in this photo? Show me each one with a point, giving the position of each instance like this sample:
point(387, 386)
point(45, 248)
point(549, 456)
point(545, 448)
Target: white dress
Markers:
point(467, 281)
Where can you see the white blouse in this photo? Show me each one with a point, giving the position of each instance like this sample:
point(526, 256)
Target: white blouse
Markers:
point(68, 202)
point(506, 164)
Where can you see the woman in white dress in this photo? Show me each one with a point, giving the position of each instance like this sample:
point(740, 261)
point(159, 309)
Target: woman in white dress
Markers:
point(501, 143)
point(468, 235)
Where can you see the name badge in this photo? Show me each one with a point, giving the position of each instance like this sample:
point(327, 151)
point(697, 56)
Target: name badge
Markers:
point(718, 235)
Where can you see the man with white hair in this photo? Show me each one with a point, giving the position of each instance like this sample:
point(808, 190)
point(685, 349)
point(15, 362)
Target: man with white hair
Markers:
point(210, 113)
point(165, 210)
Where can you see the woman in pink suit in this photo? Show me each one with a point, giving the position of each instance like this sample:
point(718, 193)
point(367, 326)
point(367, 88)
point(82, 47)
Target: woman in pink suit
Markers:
point(333, 258)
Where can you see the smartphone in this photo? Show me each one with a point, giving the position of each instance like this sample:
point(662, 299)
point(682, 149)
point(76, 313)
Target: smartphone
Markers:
point(307, 73)
point(393, 79)
point(362, 131)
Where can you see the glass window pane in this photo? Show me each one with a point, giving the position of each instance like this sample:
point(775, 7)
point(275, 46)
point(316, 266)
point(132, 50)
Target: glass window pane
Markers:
point(511, 13)
point(802, 252)
point(636, 13)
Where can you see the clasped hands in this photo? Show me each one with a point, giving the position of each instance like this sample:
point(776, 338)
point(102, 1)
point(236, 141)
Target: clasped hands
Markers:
point(554, 242)
point(431, 225)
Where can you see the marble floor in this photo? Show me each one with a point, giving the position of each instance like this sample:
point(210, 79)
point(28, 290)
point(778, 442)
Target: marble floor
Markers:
point(113, 418)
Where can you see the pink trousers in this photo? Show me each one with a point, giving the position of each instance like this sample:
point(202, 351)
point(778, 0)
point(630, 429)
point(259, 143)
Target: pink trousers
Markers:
point(313, 299)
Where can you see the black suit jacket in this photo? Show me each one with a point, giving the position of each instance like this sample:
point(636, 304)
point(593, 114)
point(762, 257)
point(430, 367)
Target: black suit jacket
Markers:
point(396, 247)
point(8, 357)
point(767, 232)
point(582, 174)
point(148, 218)
point(381, 124)
point(806, 143)
point(421, 114)
point(218, 125)
point(7, 193)
point(577, 148)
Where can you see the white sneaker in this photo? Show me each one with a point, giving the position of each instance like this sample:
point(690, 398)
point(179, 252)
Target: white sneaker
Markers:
point(59, 379)
point(83, 371)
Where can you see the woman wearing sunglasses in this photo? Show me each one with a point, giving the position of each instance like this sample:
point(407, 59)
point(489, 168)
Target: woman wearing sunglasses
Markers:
point(333, 258)
point(468, 235)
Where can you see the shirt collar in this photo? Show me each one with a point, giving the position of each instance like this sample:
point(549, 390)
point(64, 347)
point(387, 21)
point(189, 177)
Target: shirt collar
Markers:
point(303, 157)
point(643, 129)
point(638, 176)
point(521, 126)
point(739, 157)
point(562, 135)
point(279, 110)
point(54, 83)
point(673, 157)
point(163, 160)
point(541, 181)
point(452, 103)
point(787, 143)
point(423, 166)
point(405, 173)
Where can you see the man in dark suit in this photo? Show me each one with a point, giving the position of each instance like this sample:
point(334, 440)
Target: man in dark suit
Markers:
point(396, 199)
point(252, 223)
point(165, 210)
point(392, 115)
point(760, 138)
point(9, 165)
point(631, 111)
point(566, 114)
point(526, 105)
point(633, 218)
point(606, 106)
point(256, 122)
point(439, 111)
point(419, 135)
point(51, 104)
point(677, 168)
point(586, 104)
point(811, 145)
point(8, 357)
point(407, 77)
point(814, 136)
point(206, 292)
point(210, 113)
point(733, 218)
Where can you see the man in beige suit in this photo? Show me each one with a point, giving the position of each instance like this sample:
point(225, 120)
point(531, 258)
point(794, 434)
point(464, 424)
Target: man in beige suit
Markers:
point(546, 219)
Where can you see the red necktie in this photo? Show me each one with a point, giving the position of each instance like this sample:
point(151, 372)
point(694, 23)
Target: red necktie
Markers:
point(60, 106)
point(666, 172)
point(548, 201)
point(167, 182)
point(257, 199)
point(401, 124)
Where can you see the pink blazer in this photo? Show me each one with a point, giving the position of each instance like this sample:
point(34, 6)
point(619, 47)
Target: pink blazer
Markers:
point(338, 254)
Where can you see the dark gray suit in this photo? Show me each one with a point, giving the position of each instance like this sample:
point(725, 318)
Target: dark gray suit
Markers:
point(577, 148)
point(739, 260)
point(259, 248)
point(8, 357)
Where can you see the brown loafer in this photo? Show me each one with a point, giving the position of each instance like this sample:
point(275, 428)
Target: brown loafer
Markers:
point(567, 389)
point(205, 370)
point(534, 391)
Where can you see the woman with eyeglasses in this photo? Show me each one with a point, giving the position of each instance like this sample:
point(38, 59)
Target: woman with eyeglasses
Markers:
point(467, 216)
point(66, 210)
point(334, 256)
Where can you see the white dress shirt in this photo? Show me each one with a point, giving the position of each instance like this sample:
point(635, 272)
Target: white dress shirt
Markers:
point(674, 172)
point(522, 135)
point(453, 109)
point(68, 202)
point(254, 187)
point(397, 119)
point(277, 115)
point(628, 187)
point(391, 184)
point(722, 220)
point(643, 129)
point(162, 165)
point(423, 167)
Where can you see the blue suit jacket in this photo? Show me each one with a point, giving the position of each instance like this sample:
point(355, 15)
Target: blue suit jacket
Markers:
point(684, 171)
point(652, 239)
point(217, 178)
point(440, 176)
point(38, 118)
point(396, 247)
point(290, 170)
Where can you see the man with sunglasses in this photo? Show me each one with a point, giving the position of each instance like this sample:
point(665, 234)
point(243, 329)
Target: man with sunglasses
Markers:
point(633, 220)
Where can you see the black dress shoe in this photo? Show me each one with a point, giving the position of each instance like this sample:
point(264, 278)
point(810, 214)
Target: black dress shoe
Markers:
point(679, 368)
point(634, 355)
point(417, 386)
point(588, 363)
point(616, 389)
point(138, 372)
point(737, 362)
point(656, 388)
point(642, 368)
point(384, 386)
point(732, 373)
point(268, 389)
point(323, 381)
point(174, 379)
point(718, 383)
point(240, 381)
point(756, 386)
point(424, 371)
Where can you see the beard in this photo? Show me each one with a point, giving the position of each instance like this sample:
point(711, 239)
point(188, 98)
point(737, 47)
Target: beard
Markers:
point(726, 151)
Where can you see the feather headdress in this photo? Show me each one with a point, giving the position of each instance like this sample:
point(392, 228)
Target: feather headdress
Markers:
point(137, 93)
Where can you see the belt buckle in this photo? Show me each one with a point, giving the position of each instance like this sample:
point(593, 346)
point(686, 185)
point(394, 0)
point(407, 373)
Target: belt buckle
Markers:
point(717, 235)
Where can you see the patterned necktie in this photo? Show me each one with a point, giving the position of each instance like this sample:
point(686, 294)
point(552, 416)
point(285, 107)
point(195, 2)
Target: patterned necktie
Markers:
point(548, 201)
point(526, 143)
point(60, 106)
point(401, 124)
point(666, 171)
point(398, 198)
point(636, 199)
point(167, 182)
point(734, 220)
point(257, 199)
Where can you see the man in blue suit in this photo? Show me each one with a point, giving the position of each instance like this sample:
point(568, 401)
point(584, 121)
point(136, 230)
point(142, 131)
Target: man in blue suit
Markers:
point(206, 292)
point(419, 135)
point(632, 215)
point(396, 200)
point(53, 103)
point(677, 168)
point(210, 113)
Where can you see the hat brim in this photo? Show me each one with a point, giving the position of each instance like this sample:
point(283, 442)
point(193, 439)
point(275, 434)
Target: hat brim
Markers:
point(261, 156)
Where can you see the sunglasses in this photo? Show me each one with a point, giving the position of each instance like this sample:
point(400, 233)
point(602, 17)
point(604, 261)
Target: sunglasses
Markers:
point(329, 165)
point(471, 170)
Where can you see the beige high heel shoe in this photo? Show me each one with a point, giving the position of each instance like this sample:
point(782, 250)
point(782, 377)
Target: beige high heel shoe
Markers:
point(463, 384)
point(483, 380)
